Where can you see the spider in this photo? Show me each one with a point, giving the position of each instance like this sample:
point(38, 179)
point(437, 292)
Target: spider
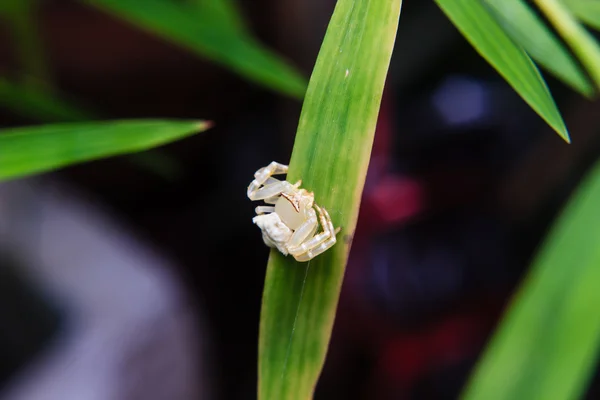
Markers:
point(290, 225)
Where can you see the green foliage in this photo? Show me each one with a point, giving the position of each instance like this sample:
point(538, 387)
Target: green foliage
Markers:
point(38, 104)
point(581, 41)
point(488, 37)
point(199, 32)
point(19, 17)
point(36, 149)
point(547, 344)
point(524, 26)
point(586, 10)
point(330, 155)
point(222, 13)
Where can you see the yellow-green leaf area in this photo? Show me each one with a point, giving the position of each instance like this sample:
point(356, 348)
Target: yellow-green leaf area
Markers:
point(586, 10)
point(584, 45)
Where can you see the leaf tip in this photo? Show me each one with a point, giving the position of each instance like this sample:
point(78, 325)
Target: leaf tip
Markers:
point(205, 125)
point(564, 134)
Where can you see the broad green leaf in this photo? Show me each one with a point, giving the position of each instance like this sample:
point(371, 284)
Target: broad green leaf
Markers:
point(584, 46)
point(547, 344)
point(36, 149)
point(480, 28)
point(586, 10)
point(331, 154)
point(528, 30)
point(39, 104)
point(181, 24)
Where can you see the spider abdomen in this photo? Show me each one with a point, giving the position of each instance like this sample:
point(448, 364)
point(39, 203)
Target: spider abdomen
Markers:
point(290, 215)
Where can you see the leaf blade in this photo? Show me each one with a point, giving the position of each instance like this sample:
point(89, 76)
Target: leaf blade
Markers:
point(196, 32)
point(478, 26)
point(223, 12)
point(586, 10)
point(581, 41)
point(548, 341)
point(527, 29)
point(32, 102)
point(21, 21)
point(331, 155)
point(36, 149)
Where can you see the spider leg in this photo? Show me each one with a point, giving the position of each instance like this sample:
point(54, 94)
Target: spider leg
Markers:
point(272, 200)
point(319, 243)
point(270, 191)
point(304, 231)
point(262, 175)
point(264, 209)
point(321, 248)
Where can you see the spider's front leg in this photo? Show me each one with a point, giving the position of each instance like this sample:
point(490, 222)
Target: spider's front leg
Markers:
point(262, 176)
point(264, 210)
point(304, 231)
point(319, 243)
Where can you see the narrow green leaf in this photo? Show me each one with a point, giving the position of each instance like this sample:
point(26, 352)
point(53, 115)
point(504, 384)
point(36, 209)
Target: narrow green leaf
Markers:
point(223, 12)
point(581, 41)
point(331, 154)
point(547, 344)
point(43, 106)
point(183, 25)
point(528, 30)
point(36, 149)
point(35, 103)
point(21, 22)
point(480, 28)
point(586, 10)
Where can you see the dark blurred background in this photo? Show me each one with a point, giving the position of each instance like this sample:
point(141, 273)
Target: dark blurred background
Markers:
point(464, 181)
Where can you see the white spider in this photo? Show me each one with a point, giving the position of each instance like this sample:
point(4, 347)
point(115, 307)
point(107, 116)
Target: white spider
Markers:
point(291, 224)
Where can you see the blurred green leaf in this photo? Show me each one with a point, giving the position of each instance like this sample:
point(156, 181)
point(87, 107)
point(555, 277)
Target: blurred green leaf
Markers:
point(43, 106)
point(584, 46)
point(196, 32)
point(222, 13)
point(36, 149)
point(331, 154)
point(38, 104)
point(20, 19)
point(547, 344)
point(586, 10)
point(528, 30)
point(480, 28)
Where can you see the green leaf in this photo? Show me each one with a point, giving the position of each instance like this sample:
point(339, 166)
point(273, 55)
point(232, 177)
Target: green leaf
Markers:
point(222, 12)
point(331, 154)
point(36, 149)
point(19, 16)
point(35, 103)
point(181, 24)
point(480, 28)
point(528, 30)
point(584, 46)
point(547, 344)
point(586, 10)
point(40, 105)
